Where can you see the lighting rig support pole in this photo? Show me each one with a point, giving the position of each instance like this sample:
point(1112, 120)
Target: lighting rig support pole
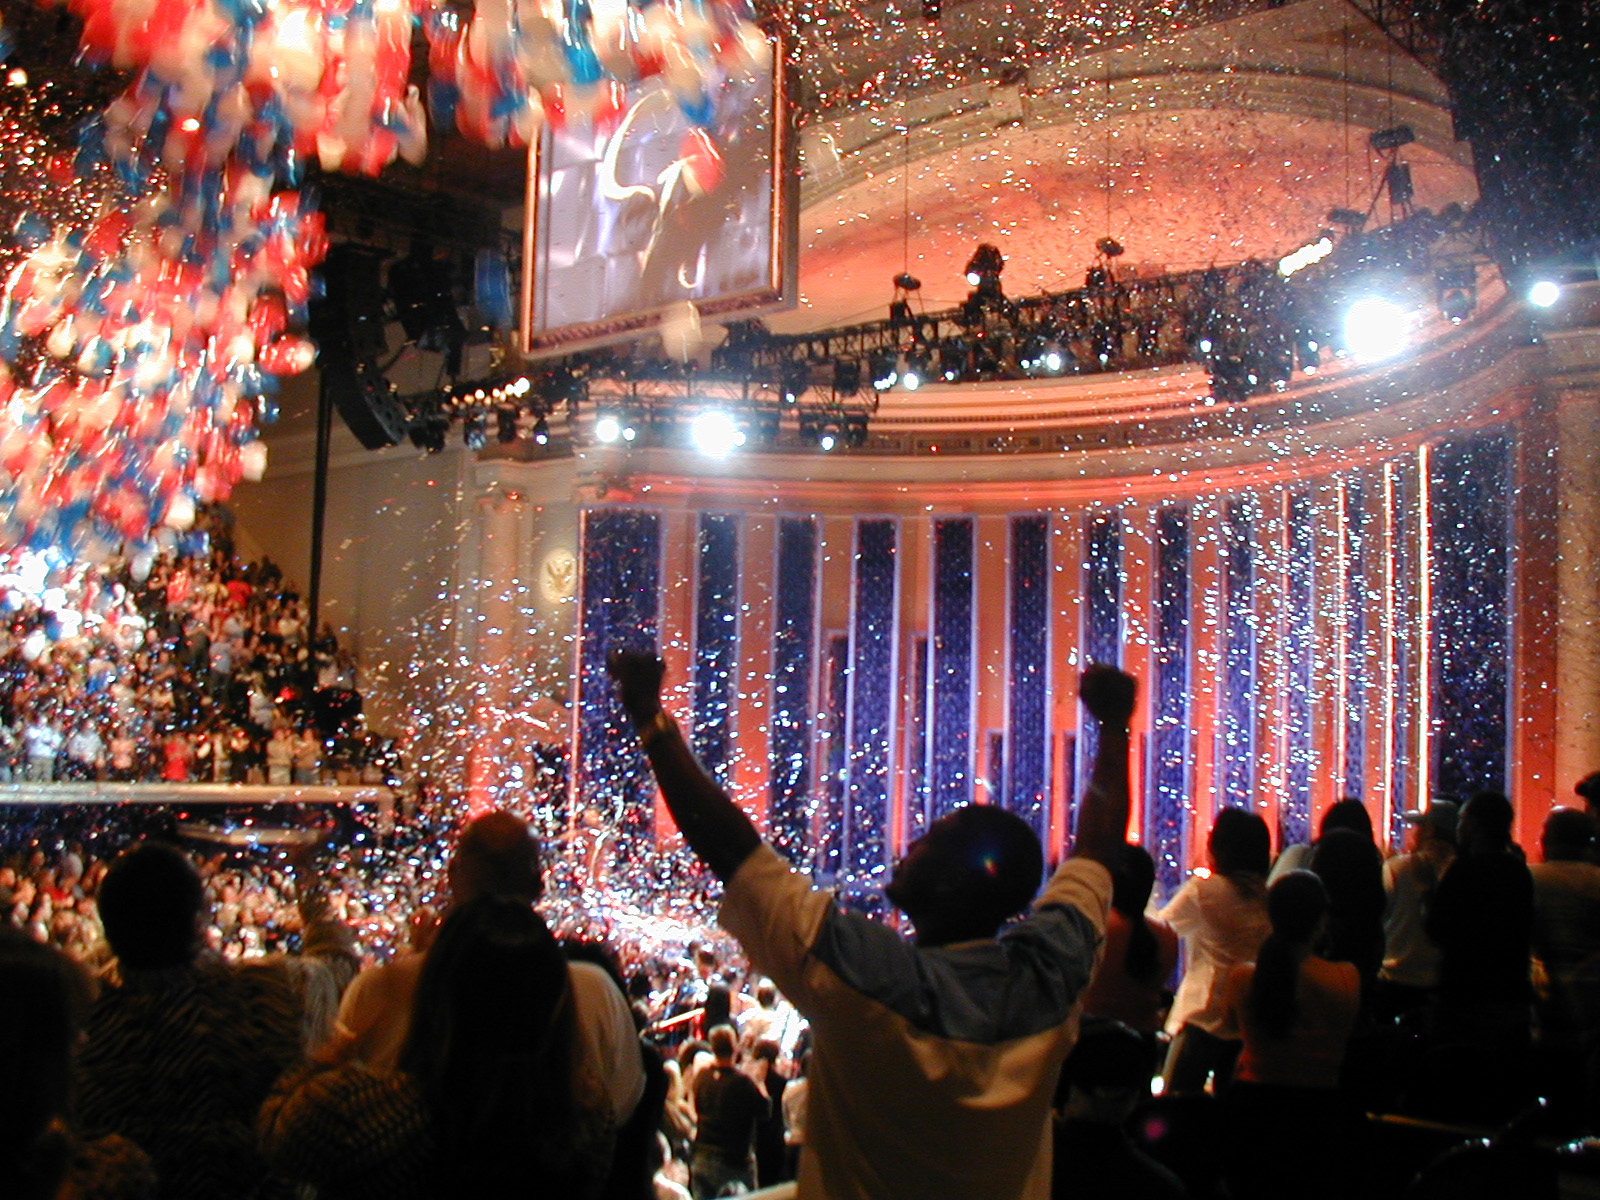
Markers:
point(319, 503)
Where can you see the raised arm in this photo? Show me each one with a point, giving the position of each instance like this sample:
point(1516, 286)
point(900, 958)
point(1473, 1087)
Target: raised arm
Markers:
point(713, 825)
point(1109, 696)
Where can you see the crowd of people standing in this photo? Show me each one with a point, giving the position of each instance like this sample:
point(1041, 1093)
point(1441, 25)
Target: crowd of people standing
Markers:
point(377, 1026)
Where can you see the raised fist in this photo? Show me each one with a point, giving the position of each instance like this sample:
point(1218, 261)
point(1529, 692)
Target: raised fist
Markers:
point(1108, 694)
point(638, 677)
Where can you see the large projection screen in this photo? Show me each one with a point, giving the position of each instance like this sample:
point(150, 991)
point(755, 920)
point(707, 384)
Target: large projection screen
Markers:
point(616, 234)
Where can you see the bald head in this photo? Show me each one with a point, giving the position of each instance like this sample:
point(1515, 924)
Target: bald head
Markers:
point(496, 856)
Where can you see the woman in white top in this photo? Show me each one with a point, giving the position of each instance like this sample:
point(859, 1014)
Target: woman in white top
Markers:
point(1221, 917)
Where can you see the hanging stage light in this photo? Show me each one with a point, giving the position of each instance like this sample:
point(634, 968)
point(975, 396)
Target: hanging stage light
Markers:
point(541, 431)
point(846, 376)
point(919, 369)
point(984, 268)
point(716, 434)
point(1458, 291)
point(1544, 293)
point(885, 370)
point(1375, 328)
point(505, 421)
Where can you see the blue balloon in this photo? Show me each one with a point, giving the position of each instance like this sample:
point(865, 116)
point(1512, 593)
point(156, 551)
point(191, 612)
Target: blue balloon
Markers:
point(31, 230)
point(700, 110)
point(582, 61)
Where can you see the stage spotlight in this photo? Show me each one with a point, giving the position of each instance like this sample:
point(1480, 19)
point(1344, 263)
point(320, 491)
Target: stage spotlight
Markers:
point(855, 430)
point(1544, 293)
point(828, 439)
point(475, 431)
point(1309, 351)
point(846, 376)
point(505, 425)
point(985, 266)
point(1392, 138)
point(931, 9)
point(1397, 179)
point(885, 371)
point(1458, 291)
point(1110, 247)
point(1311, 252)
point(907, 282)
point(1375, 328)
point(541, 431)
point(919, 369)
point(953, 359)
point(794, 378)
point(607, 428)
point(716, 434)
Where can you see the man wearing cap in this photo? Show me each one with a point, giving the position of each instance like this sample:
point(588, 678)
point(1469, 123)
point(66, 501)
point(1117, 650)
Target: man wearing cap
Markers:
point(1410, 970)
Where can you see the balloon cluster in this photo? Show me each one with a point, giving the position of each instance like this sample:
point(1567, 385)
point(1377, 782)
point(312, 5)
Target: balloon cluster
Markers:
point(262, 82)
point(519, 64)
point(155, 350)
point(139, 349)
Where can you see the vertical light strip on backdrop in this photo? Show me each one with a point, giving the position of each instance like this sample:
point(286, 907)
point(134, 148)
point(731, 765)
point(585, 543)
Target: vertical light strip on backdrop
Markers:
point(1102, 617)
point(1167, 796)
point(950, 746)
point(1027, 774)
point(794, 653)
point(1469, 513)
point(870, 729)
point(621, 601)
point(716, 643)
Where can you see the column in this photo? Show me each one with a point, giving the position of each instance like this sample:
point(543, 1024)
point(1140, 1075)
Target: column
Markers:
point(500, 514)
point(1577, 751)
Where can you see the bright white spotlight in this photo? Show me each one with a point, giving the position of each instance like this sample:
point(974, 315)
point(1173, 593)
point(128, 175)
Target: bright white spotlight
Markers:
point(1375, 328)
point(911, 381)
point(1053, 361)
point(1544, 293)
point(714, 433)
point(607, 428)
point(827, 441)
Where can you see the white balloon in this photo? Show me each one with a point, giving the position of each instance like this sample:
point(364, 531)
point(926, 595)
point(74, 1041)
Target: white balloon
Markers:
point(680, 331)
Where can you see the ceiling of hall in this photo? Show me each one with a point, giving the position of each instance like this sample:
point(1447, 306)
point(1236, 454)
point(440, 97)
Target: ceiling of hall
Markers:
point(856, 52)
point(1186, 189)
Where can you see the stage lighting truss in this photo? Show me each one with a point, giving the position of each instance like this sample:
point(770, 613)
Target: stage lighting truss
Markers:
point(1254, 327)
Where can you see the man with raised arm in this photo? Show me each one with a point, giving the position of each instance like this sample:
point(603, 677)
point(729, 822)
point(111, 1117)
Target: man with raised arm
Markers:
point(934, 1061)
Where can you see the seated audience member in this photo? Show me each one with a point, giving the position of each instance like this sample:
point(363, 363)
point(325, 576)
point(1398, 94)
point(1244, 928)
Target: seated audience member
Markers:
point(498, 856)
point(1482, 921)
point(490, 1095)
point(1103, 1082)
point(1294, 1013)
point(44, 998)
point(180, 1054)
point(1222, 918)
point(728, 1108)
point(1140, 951)
point(1566, 928)
point(1410, 970)
point(934, 1062)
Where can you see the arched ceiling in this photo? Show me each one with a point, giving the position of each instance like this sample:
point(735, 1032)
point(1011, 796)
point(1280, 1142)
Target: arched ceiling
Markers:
point(1179, 189)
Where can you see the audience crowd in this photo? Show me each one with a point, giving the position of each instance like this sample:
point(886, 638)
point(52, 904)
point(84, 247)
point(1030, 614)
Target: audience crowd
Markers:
point(368, 1017)
point(185, 667)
